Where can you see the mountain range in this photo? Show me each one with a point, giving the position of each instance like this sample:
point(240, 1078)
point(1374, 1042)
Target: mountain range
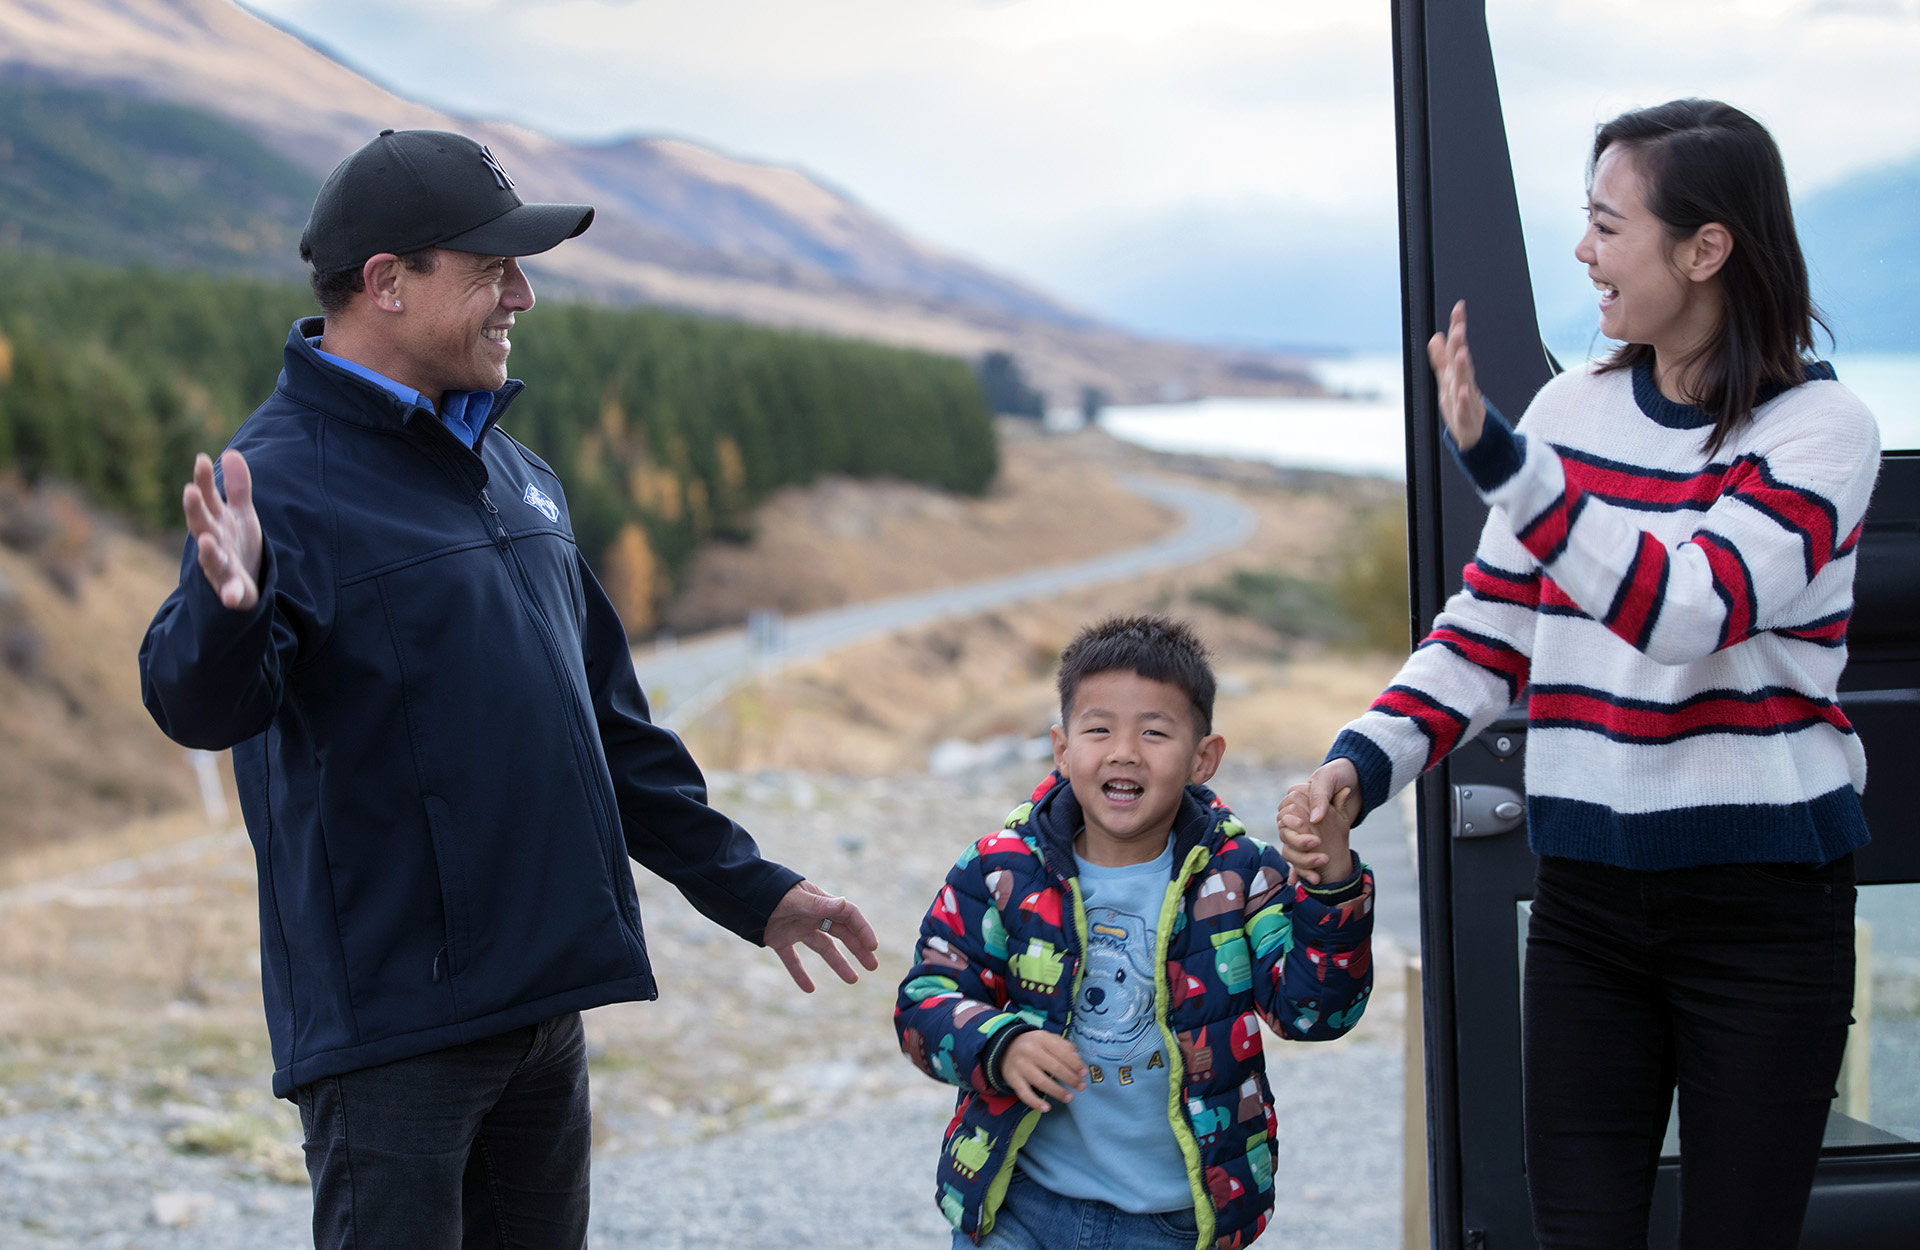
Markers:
point(192, 131)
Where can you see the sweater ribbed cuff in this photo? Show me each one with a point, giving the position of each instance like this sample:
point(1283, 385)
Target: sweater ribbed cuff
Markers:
point(1496, 457)
point(1375, 769)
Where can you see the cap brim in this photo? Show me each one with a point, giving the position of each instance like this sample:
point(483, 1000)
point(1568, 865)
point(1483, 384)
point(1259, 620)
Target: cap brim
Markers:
point(524, 231)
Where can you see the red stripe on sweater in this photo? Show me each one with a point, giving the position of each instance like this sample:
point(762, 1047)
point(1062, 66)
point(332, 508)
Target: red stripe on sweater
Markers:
point(1613, 480)
point(1551, 596)
point(1639, 602)
point(1832, 631)
point(1547, 533)
point(1442, 725)
point(1799, 510)
point(1502, 585)
point(1644, 723)
point(1732, 582)
point(1489, 653)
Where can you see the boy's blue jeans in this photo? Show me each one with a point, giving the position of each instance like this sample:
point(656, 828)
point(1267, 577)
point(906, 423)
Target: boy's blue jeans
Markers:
point(482, 1146)
point(1033, 1217)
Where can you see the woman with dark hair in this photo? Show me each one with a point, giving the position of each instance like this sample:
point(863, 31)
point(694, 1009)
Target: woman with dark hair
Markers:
point(1667, 570)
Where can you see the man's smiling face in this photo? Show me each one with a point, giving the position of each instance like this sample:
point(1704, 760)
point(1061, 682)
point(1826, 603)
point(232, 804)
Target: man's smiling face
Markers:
point(1130, 747)
point(454, 325)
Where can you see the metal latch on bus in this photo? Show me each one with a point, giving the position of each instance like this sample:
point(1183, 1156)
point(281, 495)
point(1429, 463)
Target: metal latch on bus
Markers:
point(1482, 811)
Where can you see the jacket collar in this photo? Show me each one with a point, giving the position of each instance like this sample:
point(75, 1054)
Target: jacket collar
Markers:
point(305, 377)
point(1055, 818)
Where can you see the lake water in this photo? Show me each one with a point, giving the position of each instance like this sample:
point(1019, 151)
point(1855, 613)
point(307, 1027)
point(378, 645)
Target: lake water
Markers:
point(1364, 432)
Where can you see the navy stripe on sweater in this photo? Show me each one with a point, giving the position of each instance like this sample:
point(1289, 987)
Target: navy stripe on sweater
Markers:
point(1687, 837)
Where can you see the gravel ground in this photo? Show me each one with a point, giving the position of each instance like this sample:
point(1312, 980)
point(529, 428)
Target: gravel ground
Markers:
point(735, 1111)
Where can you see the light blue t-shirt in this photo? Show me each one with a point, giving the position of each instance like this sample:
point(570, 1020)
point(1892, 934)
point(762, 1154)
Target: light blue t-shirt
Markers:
point(1113, 1143)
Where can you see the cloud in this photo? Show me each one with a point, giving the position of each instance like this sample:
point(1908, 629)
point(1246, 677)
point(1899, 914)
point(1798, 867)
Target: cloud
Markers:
point(1096, 145)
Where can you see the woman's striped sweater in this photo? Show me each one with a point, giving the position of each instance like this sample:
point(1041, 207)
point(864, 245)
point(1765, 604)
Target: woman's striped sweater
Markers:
point(1677, 622)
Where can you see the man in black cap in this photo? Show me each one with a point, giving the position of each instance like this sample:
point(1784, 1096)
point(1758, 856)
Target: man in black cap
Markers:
point(443, 754)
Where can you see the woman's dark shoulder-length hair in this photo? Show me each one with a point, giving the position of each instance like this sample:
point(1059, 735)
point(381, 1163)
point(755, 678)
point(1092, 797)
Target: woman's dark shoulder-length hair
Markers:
point(1704, 161)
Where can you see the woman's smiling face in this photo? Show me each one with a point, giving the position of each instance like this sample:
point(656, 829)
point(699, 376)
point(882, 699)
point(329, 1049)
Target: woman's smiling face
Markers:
point(1643, 295)
point(1654, 289)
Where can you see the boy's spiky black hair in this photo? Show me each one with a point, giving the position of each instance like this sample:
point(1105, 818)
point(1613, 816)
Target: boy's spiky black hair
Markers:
point(1156, 647)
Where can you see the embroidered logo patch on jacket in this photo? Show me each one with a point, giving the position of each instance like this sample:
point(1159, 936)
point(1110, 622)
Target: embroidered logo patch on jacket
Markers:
point(536, 499)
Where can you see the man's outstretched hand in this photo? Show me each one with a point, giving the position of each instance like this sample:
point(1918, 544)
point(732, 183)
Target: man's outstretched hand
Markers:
point(226, 531)
point(1462, 406)
point(796, 922)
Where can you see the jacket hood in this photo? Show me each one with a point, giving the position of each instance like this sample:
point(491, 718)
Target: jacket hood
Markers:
point(1055, 818)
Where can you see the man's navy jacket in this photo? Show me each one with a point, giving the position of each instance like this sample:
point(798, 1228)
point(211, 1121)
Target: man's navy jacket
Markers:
point(443, 754)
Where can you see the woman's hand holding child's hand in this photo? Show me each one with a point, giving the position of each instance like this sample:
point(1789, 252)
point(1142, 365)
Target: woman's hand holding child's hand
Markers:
point(1039, 1065)
point(1316, 820)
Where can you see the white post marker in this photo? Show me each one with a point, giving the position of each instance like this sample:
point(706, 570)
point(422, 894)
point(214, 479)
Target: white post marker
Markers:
point(213, 795)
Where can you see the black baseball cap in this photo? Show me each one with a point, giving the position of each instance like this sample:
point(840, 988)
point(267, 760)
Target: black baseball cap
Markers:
point(409, 190)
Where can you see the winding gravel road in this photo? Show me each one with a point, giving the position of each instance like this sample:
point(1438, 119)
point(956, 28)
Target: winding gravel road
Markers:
point(685, 681)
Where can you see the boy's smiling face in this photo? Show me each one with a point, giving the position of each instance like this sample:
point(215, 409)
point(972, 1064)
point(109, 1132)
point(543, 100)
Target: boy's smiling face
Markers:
point(1130, 747)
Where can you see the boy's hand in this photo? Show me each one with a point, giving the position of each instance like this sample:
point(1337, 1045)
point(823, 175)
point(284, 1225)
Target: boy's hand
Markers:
point(1039, 1065)
point(1318, 850)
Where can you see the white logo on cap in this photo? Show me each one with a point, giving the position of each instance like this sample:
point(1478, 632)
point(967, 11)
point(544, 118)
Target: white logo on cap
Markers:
point(493, 162)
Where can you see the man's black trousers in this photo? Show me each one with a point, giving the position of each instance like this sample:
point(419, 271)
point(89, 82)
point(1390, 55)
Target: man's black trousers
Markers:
point(483, 1146)
point(1734, 981)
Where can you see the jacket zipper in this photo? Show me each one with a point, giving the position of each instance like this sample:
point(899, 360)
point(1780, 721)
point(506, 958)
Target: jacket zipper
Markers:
point(997, 1190)
point(1203, 1211)
point(532, 607)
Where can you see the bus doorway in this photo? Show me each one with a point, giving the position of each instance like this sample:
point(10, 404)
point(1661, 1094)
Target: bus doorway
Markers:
point(1462, 237)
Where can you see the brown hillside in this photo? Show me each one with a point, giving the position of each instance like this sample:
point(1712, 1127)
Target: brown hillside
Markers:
point(841, 540)
point(678, 224)
point(78, 753)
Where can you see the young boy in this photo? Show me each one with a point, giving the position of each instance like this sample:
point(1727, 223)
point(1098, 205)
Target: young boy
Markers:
point(1089, 975)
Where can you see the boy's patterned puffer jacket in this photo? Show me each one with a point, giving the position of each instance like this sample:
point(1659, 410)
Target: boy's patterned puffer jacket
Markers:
point(1000, 950)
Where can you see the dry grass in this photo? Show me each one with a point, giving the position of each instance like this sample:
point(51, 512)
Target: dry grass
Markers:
point(881, 707)
point(78, 753)
point(842, 540)
point(143, 992)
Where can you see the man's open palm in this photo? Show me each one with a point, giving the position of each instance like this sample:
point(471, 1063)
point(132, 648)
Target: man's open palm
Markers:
point(226, 531)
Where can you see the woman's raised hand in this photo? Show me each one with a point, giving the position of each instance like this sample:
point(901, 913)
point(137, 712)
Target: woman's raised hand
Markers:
point(1461, 405)
point(226, 531)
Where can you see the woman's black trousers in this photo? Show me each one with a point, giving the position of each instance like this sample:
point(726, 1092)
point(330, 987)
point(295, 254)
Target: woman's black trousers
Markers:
point(1733, 982)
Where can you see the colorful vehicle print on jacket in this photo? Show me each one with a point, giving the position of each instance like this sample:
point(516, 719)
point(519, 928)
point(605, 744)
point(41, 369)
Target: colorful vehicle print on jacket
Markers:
point(1231, 938)
point(970, 1153)
point(1037, 969)
point(1232, 961)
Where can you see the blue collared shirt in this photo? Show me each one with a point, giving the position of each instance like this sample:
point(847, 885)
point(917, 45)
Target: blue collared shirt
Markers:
point(464, 413)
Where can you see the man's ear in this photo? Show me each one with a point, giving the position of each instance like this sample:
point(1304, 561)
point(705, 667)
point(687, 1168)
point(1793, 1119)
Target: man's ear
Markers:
point(1206, 759)
point(381, 277)
point(1707, 252)
point(1059, 737)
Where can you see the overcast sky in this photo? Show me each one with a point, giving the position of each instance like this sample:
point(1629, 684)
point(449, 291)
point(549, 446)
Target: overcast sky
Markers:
point(1210, 168)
